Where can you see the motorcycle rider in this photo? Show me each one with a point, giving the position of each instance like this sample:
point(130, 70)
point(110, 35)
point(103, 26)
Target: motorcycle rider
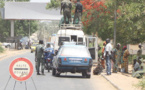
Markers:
point(48, 53)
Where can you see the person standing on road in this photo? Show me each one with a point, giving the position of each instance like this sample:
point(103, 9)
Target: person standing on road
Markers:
point(107, 54)
point(122, 62)
point(39, 57)
point(117, 57)
point(125, 59)
point(102, 60)
point(78, 12)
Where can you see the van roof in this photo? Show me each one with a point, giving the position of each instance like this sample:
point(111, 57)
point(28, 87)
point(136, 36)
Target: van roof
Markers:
point(70, 32)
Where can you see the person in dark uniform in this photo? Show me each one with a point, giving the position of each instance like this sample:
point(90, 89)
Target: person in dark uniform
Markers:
point(66, 6)
point(78, 12)
point(39, 57)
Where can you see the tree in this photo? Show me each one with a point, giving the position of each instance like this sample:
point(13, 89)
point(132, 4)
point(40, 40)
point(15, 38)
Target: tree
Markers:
point(130, 17)
point(98, 17)
point(53, 4)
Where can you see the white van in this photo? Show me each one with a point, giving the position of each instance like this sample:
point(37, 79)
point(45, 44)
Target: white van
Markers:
point(69, 34)
point(73, 33)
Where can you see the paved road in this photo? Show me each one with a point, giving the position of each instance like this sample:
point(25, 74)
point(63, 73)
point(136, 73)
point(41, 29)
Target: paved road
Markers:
point(48, 82)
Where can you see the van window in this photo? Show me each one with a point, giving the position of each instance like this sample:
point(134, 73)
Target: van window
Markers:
point(80, 41)
point(75, 51)
point(74, 38)
point(62, 39)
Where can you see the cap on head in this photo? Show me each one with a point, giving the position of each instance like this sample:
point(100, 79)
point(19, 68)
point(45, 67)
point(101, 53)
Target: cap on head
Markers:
point(125, 47)
point(140, 45)
point(48, 44)
point(107, 40)
point(118, 44)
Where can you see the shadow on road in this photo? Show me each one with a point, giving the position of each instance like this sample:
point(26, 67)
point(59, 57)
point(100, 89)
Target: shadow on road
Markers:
point(70, 76)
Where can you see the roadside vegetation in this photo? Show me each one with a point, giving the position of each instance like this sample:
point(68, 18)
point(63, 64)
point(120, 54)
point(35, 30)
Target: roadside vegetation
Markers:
point(98, 18)
point(141, 84)
point(1, 49)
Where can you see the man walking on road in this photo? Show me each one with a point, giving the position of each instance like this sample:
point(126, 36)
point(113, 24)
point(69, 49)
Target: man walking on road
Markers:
point(39, 57)
point(107, 54)
point(125, 59)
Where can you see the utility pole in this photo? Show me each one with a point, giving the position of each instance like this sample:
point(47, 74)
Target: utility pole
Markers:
point(12, 28)
point(115, 15)
point(29, 30)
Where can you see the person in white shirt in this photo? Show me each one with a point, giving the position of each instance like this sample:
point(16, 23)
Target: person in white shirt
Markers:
point(139, 69)
point(107, 54)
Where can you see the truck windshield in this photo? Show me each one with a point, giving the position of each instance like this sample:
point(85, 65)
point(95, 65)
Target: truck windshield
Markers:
point(75, 52)
point(62, 39)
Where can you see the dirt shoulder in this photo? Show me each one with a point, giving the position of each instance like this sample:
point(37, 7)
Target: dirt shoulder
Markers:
point(11, 52)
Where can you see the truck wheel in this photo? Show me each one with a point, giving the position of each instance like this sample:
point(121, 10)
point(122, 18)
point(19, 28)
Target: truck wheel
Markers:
point(53, 71)
point(83, 74)
point(88, 76)
point(48, 69)
point(57, 74)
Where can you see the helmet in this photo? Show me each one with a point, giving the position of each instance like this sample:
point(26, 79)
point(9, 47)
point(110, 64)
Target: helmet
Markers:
point(107, 40)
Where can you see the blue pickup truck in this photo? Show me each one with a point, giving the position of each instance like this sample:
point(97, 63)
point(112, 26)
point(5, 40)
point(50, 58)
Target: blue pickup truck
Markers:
point(72, 58)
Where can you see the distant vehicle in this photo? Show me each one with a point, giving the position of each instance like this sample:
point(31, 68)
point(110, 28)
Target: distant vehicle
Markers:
point(6, 44)
point(72, 58)
point(33, 47)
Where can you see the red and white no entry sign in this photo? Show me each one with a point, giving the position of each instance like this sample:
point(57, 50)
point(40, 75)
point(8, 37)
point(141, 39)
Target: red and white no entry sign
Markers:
point(21, 69)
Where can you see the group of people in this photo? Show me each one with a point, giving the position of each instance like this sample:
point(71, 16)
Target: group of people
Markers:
point(120, 58)
point(66, 7)
point(41, 54)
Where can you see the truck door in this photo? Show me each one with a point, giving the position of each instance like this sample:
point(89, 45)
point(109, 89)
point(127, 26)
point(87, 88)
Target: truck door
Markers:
point(92, 45)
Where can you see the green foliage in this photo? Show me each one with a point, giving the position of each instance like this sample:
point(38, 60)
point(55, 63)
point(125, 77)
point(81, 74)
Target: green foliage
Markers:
point(1, 49)
point(22, 27)
point(141, 84)
point(1, 4)
point(130, 21)
point(4, 29)
point(53, 4)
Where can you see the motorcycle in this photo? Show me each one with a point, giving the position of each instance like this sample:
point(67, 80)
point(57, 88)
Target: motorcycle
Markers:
point(48, 61)
point(48, 64)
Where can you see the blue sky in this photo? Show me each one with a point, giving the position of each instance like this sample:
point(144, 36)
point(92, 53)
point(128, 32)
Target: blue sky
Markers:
point(40, 0)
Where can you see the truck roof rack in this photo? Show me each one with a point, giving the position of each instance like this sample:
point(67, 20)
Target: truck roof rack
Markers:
point(71, 26)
